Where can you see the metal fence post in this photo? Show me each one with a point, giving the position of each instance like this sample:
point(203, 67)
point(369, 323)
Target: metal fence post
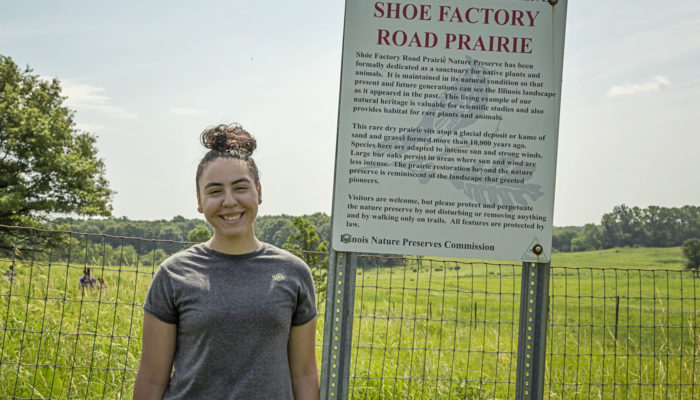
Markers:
point(337, 330)
point(532, 331)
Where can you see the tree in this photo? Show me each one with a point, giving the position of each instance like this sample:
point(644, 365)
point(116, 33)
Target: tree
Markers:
point(171, 232)
point(306, 243)
point(199, 234)
point(125, 255)
point(273, 229)
point(588, 239)
point(691, 251)
point(153, 258)
point(561, 238)
point(46, 165)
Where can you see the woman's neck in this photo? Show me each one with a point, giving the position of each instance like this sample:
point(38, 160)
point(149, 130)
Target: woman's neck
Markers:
point(234, 245)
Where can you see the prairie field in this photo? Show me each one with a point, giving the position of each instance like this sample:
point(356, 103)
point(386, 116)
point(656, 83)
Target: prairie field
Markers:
point(622, 323)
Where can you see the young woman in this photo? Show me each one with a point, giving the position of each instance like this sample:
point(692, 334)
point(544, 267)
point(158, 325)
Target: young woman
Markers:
point(231, 318)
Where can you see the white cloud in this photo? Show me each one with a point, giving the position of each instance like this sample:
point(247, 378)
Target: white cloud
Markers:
point(83, 96)
point(186, 112)
point(655, 84)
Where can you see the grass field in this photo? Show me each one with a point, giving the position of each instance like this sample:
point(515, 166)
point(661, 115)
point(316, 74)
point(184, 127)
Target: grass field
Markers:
point(622, 325)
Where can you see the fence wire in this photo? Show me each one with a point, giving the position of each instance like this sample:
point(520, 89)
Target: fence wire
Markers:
point(435, 329)
point(427, 329)
point(423, 328)
point(64, 338)
point(623, 333)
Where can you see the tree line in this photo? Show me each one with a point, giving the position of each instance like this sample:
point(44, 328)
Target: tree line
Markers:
point(653, 226)
point(125, 242)
point(271, 229)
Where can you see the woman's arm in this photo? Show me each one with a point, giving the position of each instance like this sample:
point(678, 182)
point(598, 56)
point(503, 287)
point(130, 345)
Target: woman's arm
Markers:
point(302, 361)
point(157, 351)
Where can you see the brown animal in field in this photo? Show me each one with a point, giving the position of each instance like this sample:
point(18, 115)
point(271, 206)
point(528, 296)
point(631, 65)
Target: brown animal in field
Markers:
point(102, 284)
point(10, 274)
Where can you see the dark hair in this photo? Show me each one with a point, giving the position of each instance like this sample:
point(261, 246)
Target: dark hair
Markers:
point(228, 141)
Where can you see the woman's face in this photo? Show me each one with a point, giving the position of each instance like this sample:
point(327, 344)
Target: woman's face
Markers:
point(229, 198)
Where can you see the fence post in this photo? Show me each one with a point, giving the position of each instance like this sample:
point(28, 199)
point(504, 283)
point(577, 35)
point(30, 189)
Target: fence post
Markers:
point(532, 331)
point(617, 316)
point(337, 329)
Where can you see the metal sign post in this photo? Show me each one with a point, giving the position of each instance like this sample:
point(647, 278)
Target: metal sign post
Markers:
point(532, 334)
point(340, 300)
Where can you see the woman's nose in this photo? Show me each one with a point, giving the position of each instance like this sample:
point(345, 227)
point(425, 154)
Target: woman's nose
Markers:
point(229, 199)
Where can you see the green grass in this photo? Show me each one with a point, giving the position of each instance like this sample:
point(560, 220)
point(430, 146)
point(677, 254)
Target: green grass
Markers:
point(626, 257)
point(426, 329)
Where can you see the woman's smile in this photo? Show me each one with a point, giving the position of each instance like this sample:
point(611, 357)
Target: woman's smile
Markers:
point(232, 217)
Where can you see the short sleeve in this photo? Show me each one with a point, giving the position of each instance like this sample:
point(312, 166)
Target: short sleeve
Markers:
point(306, 299)
point(159, 299)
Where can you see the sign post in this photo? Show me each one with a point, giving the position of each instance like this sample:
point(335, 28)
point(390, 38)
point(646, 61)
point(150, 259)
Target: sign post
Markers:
point(447, 132)
point(337, 332)
point(532, 331)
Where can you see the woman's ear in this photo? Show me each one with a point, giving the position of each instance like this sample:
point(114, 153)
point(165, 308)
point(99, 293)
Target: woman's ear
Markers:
point(259, 194)
point(199, 204)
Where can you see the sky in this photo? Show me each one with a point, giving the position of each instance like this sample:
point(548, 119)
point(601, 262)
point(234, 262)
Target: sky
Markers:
point(147, 77)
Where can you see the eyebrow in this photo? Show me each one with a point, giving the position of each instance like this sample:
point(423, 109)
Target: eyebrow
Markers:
point(240, 180)
point(210, 184)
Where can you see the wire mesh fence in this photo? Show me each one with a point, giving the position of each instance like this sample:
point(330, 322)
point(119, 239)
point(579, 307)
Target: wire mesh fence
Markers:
point(623, 333)
point(435, 329)
point(66, 333)
point(448, 329)
point(71, 311)
point(423, 328)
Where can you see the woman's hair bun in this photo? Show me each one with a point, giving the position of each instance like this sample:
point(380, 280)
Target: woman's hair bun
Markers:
point(228, 138)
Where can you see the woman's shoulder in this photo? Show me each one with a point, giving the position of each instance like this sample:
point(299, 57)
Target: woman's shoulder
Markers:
point(284, 256)
point(192, 253)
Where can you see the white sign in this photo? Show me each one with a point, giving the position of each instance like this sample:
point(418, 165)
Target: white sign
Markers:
point(447, 128)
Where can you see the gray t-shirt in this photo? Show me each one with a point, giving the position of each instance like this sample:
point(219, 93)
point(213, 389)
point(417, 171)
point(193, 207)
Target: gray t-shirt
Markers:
point(233, 316)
